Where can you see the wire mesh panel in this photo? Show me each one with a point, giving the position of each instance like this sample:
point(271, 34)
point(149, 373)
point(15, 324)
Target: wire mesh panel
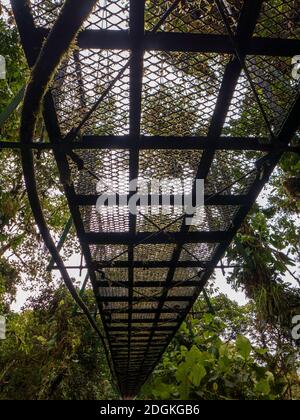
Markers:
point(180, 91)
point(193, 78)
point(192, 16)
point(277, 89)
point(279, 19)
point(107, 14)
point(81, 79)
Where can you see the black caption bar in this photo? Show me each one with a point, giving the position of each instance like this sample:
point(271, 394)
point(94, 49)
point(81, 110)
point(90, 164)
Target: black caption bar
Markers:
point(133, 409)
point(126, 409)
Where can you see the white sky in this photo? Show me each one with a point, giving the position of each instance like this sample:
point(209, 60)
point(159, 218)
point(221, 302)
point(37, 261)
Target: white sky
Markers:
point(5, 2)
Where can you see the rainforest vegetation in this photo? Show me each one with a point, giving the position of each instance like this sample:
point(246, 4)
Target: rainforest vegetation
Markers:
point(223, 351)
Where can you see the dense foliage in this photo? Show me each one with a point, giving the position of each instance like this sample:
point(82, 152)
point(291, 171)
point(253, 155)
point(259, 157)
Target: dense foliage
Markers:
point(50, 355)
point(231, 356)
point(237, 353)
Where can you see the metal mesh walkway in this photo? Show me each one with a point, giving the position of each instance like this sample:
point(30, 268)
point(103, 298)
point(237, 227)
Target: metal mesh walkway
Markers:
point(200, 91)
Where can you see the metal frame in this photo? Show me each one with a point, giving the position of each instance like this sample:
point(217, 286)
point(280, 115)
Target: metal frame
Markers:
point(140, 358)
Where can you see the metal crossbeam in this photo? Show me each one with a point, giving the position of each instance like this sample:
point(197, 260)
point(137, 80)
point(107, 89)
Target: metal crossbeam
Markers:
point(150, 238)
point(192, 42)
point(218, 200)
point(162, 143)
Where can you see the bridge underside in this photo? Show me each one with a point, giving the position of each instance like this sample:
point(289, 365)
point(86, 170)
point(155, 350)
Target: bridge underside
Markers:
point(202, 96)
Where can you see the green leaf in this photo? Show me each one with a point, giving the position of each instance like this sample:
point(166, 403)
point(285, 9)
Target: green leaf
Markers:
point(197, 374)
point(263, 387)
point(183, 350)
point(215, 387)
point(41, 339)
point(224, 350)
point(182, 371)
point(243, 346)
point(224, 364)
point(262, 352)
point(184, 390)
point(162, 391)
point(208, 318)
point(194, 355)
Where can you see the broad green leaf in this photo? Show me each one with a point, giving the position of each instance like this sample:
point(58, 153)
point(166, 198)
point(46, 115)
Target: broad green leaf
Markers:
point(243, 346)
point(194, 355)
point(208, 318)
point(224, 363)
point(184, 390)
point(197, 374)
point(262, 352)
point(183, 350)
point(182, 371)
point(162, 391)
point(263, 387)
point(224, 350)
